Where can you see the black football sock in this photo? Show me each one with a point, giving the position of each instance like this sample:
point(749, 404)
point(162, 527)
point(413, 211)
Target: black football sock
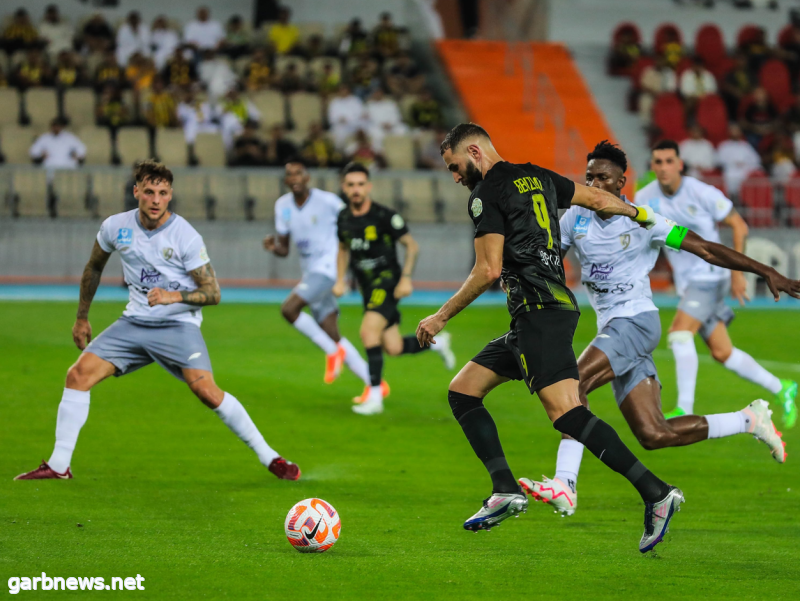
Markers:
point(375, 362)
point(481, 433)
point(411, 345)
point(605, 444)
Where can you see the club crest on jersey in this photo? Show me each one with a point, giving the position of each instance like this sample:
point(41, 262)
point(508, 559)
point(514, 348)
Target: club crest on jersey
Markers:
point(581, 227)
point(692, 210)
point(125, 235)
point(477, 207)
point(625, 240)
point(601, 271)
point(167, 253)
point(370, 233)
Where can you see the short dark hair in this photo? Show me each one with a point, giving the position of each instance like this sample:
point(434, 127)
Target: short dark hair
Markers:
point(353, 167)
point(461, 132)
point(297, 160)
point(152, 171)
point(610, 152)
point(667, 145)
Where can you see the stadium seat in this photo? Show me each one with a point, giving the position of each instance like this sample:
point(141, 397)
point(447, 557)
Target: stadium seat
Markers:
point(190, 196)
point(747, 34)
point(669, 117)
point(305, 109)
point(757, 196)
point(209, 150)
point(661, 33)
point(638, 70)
point(171, 147)
point(774, 77)
point(41, 106)
point(785, 36)
point(98, 144)
point(712, 116)
point(71, 187)
point(272, 106)
point(79, 106)
point(309, 29)
point(767, 252)
point(5, 193)
point(262, 190)
point(406, 102)
point(417, 197)
point(226, 190)
point(9, 100)
point(15, 143)
point(317, 65)
point(31, 194)
point(722, 68)
point(791, 196)
point(710, 46)
point(282, 64)
point(454, 200)
point(622, 29)
point(383, 191)
point(108, 191)
point(133, 144)
point(399, 152)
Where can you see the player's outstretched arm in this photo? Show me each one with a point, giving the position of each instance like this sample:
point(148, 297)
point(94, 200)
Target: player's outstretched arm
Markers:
point(206, 293)
point(488, 265)
point(607, 205)
point(722, 256)
point(277, 245)
point(740, 231)
point(342, 261)
point(90, 280)
point(404, 287)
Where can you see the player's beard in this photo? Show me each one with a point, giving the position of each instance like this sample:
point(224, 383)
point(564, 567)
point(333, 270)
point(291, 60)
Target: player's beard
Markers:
point(473, 176)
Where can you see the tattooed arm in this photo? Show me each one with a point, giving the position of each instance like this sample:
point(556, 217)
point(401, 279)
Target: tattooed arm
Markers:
point(206, 293)
point(90, 280)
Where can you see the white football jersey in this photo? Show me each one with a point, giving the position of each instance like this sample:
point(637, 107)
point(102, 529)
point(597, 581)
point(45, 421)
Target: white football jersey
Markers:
point(313, 229)
point(160, 258)
point(698, 207)
point(616, 256)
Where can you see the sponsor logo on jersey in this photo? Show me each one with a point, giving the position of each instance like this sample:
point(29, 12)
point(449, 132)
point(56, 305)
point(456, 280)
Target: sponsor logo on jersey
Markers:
point(194, 356)
point(287, 215)
point(692, 210)
point(204, 254)
point(625, 240)
point(174, 285)
point(581, 227)
point(397, 222)
point(149, 276)
point(477, 207)
point(601, 271)
point(167, 253)
point(125, 235)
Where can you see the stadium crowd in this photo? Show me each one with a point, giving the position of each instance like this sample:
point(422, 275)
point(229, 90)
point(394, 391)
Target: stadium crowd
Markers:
point(268, 93)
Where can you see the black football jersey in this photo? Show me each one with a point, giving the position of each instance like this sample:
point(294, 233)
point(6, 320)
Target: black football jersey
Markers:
point(372, 239)
point(521, 202)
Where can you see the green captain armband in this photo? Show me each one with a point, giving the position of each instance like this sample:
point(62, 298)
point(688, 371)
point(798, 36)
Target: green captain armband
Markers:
point(676, 236)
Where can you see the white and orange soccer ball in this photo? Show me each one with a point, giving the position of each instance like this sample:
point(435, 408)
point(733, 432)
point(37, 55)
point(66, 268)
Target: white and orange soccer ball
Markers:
point(312, 526)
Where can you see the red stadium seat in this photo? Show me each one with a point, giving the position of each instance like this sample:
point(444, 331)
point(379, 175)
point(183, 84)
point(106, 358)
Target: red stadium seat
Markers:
point(684, 65)
point(757, 197)
point(712, 116)
point(722, 68)
point(669, 117)
point(661, 33)
point(638, 69)
point(774, 77)
point(785, 37)
point(710, 46)
point(714, 177)
point(791, 196)
point(624, 28)
point(747, 34)
point(744, 104)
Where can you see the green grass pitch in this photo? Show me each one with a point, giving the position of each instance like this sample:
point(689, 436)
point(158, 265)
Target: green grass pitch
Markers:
point(164, 490)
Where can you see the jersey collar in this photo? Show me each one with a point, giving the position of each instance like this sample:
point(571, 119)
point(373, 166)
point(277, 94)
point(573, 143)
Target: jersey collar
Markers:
point(151, 233)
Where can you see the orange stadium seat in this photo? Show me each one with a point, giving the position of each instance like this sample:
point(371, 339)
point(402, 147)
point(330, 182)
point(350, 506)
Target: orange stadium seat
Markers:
point(669, 117)
point(757, 196)
point(710, 46)
point(774, 77)
point(712, 116)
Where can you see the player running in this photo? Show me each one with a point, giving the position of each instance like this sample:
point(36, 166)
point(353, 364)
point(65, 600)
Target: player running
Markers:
point(702, 286)
point(515, 212)
point(170, 279)
point(616, 256)
point(368, 237)
point(308, 216)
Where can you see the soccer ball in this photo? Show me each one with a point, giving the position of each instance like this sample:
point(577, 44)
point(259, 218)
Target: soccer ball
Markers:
point(312, 526)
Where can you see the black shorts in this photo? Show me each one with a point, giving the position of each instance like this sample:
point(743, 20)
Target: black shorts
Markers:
point(379, 297)
point(537, 350)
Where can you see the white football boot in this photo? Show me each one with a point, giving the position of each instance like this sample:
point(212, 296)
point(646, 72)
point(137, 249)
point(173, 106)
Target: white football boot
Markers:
point(497, 508)
point(762, 428)
point(372, 406)
point(657, 517)
point(444, 349)
point(555, 492)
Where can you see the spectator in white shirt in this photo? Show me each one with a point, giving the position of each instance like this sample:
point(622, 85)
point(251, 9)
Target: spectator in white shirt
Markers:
point(57, 31)
point(235, 111)
point(197, 117)
point(697, 82)
point(737, 158)
point(58, 149)
point(163, 41)
point(697, 152)
point(216, 73)
point(346, 114)
point(132, 37)
point(383, 118)
point(203, 33)
point(655, 80)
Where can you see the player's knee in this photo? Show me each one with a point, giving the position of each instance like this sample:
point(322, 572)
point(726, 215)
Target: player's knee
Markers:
point(208, 393)
point(720, 355)
point(652, 437)
point(78, 377)
point(369, 338)
point(393, 349)
point(461, 404)
point(290, 312)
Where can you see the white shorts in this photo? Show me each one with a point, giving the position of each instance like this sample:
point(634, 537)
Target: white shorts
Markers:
point(316, 290)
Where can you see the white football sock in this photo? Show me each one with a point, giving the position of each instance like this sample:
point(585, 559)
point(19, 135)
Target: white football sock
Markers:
point(682, 344)
point(235, 416)
point(728, 424)
point(306, 324)
point(72, 413)
point(355, 361)
point(570, 453)
point(745, 366)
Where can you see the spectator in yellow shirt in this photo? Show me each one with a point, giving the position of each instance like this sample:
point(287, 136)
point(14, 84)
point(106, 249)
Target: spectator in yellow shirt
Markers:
point(284, 36)
point(20, 34)
point(161, 110)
